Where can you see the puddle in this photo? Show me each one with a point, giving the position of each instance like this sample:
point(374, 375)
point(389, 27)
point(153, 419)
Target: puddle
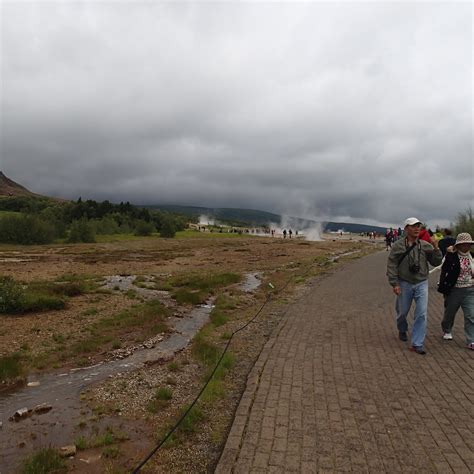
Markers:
point(252, 282)
point(127, 283)
point(57, 427)
point(337, 257)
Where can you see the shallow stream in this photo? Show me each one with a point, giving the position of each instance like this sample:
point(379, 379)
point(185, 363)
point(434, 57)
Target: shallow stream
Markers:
point(62, 390)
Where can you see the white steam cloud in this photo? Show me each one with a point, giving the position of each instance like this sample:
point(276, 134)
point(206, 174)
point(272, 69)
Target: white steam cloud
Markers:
point(206, 220)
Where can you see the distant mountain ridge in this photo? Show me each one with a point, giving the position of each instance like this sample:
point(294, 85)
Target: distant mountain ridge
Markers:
point(8, 187)
point(230, 216)
point(253, 217)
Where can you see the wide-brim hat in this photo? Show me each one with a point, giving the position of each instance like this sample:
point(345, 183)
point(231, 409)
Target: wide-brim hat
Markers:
point(464, 238)
point(411, 221)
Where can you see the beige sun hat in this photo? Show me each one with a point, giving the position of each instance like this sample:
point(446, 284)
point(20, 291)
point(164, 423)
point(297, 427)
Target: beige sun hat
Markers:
point(464, 238)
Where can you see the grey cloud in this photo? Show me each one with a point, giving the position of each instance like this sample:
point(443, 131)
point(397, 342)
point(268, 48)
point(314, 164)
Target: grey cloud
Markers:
point(361, 111)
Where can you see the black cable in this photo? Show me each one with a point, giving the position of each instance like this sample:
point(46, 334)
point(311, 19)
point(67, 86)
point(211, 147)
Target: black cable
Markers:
point(176, 425)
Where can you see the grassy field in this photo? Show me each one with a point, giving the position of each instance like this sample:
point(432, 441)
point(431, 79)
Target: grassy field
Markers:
point(9, 213)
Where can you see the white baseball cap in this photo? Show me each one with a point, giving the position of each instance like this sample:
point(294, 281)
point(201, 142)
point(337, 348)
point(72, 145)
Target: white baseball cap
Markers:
point(411, 221)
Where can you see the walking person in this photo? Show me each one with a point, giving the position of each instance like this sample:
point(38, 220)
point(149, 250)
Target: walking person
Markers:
point(447, 241)
point(388, 239)
point(407, 272)
point(457, 285)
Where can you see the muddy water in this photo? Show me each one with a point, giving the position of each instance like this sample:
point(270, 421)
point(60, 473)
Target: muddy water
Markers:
point(252, 282)
point(62, 390)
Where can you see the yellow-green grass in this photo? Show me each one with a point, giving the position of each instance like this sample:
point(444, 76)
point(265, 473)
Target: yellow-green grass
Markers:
point(46, 460)
point(9, 213)
point(10, 367)
point(195, 234)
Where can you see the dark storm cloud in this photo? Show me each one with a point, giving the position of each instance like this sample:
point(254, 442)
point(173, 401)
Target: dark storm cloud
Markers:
point(350, 110)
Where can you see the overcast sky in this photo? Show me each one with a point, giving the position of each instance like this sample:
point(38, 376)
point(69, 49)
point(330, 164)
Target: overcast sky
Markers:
point(357, 111)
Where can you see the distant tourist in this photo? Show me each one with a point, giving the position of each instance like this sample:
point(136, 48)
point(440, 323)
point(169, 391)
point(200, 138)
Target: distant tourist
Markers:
point(290, 233)
point(284, 233)
point(446, 241)
point(407, 271)
point(457, 284)
point(425, 234)
point(388, 239)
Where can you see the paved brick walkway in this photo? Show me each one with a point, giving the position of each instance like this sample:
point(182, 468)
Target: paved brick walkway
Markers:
point(334, 390)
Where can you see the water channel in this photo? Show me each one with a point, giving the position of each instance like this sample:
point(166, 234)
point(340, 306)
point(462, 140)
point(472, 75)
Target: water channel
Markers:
point(62, 390)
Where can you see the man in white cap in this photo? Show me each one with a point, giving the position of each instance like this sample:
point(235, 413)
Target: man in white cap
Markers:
point(407, 272)
point(456, 282)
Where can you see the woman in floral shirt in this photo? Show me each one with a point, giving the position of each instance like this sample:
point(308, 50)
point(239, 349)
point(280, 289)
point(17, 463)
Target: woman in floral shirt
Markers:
point(457, 285)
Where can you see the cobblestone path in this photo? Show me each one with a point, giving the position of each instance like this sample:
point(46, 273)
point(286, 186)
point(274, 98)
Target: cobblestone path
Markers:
point(334, 390)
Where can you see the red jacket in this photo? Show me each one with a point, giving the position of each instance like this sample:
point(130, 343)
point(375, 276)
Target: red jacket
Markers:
point(425, 235)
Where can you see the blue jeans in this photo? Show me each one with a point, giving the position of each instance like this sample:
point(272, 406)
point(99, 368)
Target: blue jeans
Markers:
point(419, 293)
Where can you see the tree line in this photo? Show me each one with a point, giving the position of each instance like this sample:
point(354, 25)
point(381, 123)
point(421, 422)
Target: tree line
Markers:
point(32, 220)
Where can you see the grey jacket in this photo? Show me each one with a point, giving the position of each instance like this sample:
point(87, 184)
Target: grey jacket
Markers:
point(423, 253)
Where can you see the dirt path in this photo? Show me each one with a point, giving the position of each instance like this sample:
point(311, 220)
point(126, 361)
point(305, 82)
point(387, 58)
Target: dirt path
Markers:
point(335, 390)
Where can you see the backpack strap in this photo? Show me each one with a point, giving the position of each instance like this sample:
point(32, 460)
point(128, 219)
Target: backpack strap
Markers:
point(406, 253)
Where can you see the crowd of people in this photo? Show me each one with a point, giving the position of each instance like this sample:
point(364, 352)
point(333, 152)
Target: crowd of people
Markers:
point(411, 253)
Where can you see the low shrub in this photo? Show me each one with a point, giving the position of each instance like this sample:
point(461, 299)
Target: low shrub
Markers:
point(195, 288)
point(192, 419)
point(81, 443)
point(12, 295)
point(26, 230)
point(111, 452)
point(205, 351)
point(164, 393)
point(465, 222)
point(184, 296)
point(218, 318)
point(106, 226)
point(168, 229)
point(44, 461)
point(81, 231)
point(10, 367)
point(144, 228)
point(40, 302)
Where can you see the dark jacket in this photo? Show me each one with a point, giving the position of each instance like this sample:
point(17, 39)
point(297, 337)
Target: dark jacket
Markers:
point(449, 273)
point(445, 243)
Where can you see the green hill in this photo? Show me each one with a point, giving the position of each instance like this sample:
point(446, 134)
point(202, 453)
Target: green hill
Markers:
point(252, 217)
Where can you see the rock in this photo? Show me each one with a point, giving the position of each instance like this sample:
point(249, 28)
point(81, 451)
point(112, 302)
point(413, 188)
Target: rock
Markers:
point(20, 414)
point(33, 384)
point(67, 451)
point(42, 408)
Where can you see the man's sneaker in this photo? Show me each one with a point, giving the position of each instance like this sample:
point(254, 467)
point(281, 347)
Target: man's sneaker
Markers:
point(402, 335)
point(447, 336)
point(418, 350)
point(471, 346)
